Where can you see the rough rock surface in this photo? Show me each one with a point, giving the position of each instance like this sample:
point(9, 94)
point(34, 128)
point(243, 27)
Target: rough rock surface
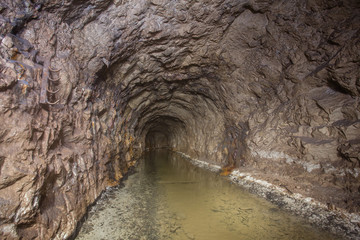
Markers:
point(269, 87)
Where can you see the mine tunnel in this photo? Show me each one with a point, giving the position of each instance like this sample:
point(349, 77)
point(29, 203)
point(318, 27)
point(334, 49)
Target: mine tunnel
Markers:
point(177, 118)
point(246, 111)
point(163, 132)
point(157, 139)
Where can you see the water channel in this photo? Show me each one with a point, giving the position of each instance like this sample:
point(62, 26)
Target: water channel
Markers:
point(169, 198)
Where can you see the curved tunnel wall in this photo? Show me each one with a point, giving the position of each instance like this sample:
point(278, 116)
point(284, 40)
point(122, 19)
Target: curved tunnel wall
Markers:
point(236, 96)
point(189, 120)
point(271, 87)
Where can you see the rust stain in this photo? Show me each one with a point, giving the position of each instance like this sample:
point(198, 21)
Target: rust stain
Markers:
point(226, 171)
point(24, 88)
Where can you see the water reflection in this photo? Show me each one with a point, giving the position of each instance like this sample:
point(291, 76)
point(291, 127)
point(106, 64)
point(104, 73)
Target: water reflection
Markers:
point(169, 198)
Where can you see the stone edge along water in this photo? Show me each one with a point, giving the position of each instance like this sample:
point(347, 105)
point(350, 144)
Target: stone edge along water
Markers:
point(337, 221)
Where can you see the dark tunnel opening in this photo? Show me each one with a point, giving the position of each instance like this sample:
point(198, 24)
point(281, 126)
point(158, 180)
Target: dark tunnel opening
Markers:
point(157, 139)
point(163, 132)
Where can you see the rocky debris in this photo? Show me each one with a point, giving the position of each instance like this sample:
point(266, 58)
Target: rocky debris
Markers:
point(125, 212)
point(271, 86)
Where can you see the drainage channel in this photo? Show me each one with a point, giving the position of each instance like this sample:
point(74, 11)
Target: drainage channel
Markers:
point(169, 198)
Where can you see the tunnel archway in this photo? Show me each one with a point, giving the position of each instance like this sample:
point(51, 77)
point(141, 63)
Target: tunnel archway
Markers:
point(164, 132)
point(156, 139)
point(185, 116)
point(271, 86)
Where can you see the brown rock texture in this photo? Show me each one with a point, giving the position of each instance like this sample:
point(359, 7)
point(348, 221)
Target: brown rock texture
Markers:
point(268, 87)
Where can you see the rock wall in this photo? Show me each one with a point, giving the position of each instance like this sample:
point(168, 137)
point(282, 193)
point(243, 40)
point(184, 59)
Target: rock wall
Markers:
point(57, 156)
point(269, 87)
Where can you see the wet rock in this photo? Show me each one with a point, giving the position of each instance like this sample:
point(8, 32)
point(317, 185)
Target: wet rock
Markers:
point(258, 85)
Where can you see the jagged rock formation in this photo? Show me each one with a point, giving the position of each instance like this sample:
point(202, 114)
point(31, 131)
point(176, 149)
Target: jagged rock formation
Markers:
point(269, 87)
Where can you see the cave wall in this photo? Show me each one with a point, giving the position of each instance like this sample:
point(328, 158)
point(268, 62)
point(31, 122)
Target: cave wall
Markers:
point(55, 159)
point(269, 87)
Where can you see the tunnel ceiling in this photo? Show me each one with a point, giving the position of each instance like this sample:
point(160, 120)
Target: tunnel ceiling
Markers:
point(270, 87)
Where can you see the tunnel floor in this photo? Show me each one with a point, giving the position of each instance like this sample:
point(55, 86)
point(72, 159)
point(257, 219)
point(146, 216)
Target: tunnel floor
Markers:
point(169, 198)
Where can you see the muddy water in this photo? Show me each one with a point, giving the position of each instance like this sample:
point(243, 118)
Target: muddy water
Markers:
point(169, 198)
